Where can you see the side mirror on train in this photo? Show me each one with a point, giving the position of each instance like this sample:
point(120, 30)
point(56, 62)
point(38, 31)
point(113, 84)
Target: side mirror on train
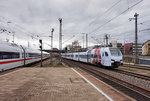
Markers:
point(106, 54)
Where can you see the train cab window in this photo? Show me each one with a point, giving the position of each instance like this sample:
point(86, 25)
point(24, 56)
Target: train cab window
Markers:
point(9, 55)
point(115, 52)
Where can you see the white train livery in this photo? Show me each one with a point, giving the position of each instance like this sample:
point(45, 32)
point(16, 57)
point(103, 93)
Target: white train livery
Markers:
point(104, 56)
point(12, 55)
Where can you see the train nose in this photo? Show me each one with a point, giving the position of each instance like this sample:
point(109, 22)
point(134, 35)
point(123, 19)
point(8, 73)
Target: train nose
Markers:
point(116, 62)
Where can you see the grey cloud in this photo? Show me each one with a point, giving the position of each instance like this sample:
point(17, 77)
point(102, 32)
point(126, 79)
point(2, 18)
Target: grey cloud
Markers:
point(39, 16)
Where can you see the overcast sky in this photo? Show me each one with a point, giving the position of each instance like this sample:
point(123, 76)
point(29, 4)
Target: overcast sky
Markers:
point(29, 18)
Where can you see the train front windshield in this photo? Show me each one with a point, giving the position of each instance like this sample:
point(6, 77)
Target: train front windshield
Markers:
point(115, 52)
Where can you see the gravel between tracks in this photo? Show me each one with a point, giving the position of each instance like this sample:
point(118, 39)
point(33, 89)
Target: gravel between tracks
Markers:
point(133, 80)
point(145, 84)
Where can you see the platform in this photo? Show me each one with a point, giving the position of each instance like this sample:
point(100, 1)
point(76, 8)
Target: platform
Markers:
point(46, 84)
point(55, 84)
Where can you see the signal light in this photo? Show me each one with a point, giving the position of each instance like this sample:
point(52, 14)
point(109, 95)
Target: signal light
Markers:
point(40, 41)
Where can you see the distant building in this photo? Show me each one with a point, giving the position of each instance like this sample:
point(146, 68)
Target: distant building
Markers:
point(146, 48)
point(55, 48)
point(130, 48)
point(74, 46)
point(114, 44)
point(120, 47)
point(139, 48)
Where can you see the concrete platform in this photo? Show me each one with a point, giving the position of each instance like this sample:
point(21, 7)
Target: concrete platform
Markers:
point(47, 84)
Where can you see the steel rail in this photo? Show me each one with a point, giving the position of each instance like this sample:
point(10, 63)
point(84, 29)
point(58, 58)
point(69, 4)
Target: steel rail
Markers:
point(137, 67)
point(131, 86)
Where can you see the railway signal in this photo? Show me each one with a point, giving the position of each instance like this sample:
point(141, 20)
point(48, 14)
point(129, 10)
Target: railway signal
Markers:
point(41, 51)
point(51, 62)
point(60, 39)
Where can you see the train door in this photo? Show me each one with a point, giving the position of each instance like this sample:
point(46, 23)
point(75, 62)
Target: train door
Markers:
point(88, 57)
point(102, 58)
point(106, 59)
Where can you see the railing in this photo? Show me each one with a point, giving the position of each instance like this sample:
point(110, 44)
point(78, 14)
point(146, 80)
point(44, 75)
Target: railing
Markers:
point(141, 59)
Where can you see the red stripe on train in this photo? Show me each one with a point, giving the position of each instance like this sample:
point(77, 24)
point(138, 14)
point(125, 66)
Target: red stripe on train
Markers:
point(11, 61)
point(5, 62)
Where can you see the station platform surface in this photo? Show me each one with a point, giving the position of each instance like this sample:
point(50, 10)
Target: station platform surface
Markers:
point(47, 84)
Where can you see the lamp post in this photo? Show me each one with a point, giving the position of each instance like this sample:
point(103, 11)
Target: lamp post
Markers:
point(136, 36)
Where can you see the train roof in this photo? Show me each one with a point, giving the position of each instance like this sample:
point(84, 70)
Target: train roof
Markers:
point(9, 47)
point(30, 50)
point(12, 47)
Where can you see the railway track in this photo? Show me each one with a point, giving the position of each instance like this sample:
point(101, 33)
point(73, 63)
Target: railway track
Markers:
point(133, 74)
point(137, 67)
point(131, 89)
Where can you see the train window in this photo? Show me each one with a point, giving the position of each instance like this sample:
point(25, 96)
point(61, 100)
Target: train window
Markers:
point(88, 56)
point(99, 56)
point(9, 55)
point(22, 55)
point(34, 55)
point(106, 54)
point(95, 55)
point(103, 54)
point(76, 56)
point(26, 54)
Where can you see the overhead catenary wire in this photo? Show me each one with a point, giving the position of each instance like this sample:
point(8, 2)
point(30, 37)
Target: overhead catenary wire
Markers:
point(68, 39)
point(18, 28)
point(106, 11)
point(144, 29)
point(143, 16)
point(114, 17)
point(34, 36)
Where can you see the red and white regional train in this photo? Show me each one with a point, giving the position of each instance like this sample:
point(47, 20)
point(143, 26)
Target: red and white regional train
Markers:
point(12, 55)
point(105, 56)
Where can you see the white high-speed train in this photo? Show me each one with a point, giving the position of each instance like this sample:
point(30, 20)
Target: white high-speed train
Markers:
point(104, 56)
point(12, 55)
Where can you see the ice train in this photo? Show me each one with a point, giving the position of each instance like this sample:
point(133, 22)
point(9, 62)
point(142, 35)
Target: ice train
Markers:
point(13, 55)
point(105, 56)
